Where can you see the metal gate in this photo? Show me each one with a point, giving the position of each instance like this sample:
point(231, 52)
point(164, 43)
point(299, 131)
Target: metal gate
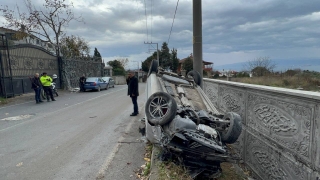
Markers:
point(19, 63)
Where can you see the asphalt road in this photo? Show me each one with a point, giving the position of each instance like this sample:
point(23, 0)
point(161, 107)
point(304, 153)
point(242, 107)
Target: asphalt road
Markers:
point(80, 136)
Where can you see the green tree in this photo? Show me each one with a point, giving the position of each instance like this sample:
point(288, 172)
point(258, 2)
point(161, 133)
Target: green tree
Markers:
point(174, 60)
point(165, 57)
point(74, 46)
point(117, 68)
point(188, 64)
point(97, 55)
point(260, 71)
point(146, 63)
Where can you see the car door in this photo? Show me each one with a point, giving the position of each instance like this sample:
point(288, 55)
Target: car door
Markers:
point(111, 82)
point(102, 83)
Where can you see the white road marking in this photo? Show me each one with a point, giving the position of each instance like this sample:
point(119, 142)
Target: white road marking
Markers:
point(44, 115)
point(17, 118)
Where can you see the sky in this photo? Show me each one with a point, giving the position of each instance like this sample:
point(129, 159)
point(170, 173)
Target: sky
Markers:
point(234, 31)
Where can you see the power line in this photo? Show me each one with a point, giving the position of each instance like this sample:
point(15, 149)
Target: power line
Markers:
point(151, 19)
point(145, 12)
point(175, 12)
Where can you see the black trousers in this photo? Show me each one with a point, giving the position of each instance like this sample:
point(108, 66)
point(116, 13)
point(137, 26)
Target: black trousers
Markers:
point(135, 104)
point(81, 87)
point(48, 91)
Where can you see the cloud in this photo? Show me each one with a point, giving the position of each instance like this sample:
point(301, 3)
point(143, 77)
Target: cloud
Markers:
point(233, 31)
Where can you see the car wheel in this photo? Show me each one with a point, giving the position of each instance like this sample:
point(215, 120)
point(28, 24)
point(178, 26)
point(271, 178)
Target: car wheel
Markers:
point(153, 67)
point(232, 133)
point(99, 89)
point(160, 108)
point(196, 76)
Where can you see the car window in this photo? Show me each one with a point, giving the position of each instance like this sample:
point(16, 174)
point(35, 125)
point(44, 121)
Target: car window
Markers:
point(91, 79)
point(106, 79)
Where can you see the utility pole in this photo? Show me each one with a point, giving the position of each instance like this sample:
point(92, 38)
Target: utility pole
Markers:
point(138, 71)
point(197, 39)
point(157, 50)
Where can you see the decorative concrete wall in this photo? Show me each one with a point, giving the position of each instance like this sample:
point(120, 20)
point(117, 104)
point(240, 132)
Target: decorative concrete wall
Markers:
point(119, 80)
point(281, 128)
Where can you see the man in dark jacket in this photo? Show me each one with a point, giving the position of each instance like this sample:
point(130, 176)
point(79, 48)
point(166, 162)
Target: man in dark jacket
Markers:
point(82, 81)
point(36, 86)
point(133, 92)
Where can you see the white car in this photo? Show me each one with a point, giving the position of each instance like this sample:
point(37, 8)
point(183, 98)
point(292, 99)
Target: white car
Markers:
point(109, 81)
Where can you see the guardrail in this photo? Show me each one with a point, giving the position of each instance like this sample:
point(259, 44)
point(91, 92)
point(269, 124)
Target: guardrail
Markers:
point(281, 128)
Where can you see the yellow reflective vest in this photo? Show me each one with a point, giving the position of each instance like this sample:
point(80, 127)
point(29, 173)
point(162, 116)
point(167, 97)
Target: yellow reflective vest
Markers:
point(46, 81)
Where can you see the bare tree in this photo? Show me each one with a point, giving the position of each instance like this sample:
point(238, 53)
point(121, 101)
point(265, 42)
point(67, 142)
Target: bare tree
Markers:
point(48, 22)
point(123, 61)
point(260, 66)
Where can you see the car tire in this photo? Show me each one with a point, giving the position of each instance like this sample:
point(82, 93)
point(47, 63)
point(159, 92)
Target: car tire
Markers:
point(99, 89)
point(153, 67)
point(233, 132)
point(167, 112)
point(196, 76)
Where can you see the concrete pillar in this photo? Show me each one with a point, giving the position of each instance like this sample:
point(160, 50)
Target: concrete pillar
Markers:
point(197, 38)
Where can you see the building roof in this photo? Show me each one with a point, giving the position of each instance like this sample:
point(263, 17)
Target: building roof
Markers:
point(107, 67)
point(7, 30)
point(204, 62)
point(191, 56)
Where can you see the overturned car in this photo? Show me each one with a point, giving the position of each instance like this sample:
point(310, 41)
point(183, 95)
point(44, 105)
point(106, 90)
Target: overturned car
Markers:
point(183, 121)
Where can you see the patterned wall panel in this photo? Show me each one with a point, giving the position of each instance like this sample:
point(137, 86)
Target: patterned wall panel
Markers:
point(317, 138)
point(281, 130)
point(211, 90)
point(286, 121)
point(270, 164)
point(232, 100)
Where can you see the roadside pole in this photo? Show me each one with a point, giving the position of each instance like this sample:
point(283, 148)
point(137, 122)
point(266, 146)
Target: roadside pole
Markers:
point(197, 38)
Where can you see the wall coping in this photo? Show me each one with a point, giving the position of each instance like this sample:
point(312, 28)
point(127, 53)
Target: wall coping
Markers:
point(294, 92)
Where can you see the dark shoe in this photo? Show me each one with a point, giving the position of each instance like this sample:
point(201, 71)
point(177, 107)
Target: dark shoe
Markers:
point(37, 102)
point(40, 101)
point(133, 114)
point(48, 100)
point(53, 100)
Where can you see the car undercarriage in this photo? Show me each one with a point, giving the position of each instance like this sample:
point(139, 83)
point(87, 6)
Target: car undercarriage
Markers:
point(185, 124)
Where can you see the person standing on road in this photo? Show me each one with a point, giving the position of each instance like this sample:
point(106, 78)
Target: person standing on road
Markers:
point(46, 83)
point(36, 86)
point(133, 92)
point(82, 81)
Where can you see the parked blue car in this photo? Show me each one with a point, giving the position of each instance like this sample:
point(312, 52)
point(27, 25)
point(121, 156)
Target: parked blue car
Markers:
point(95, 83)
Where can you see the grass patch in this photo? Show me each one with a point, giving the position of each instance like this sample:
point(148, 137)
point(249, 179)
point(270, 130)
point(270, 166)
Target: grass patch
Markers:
point(229, 172)
point(144, 172)
point(170, 171)
point(3, 100)
point(308, 83)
